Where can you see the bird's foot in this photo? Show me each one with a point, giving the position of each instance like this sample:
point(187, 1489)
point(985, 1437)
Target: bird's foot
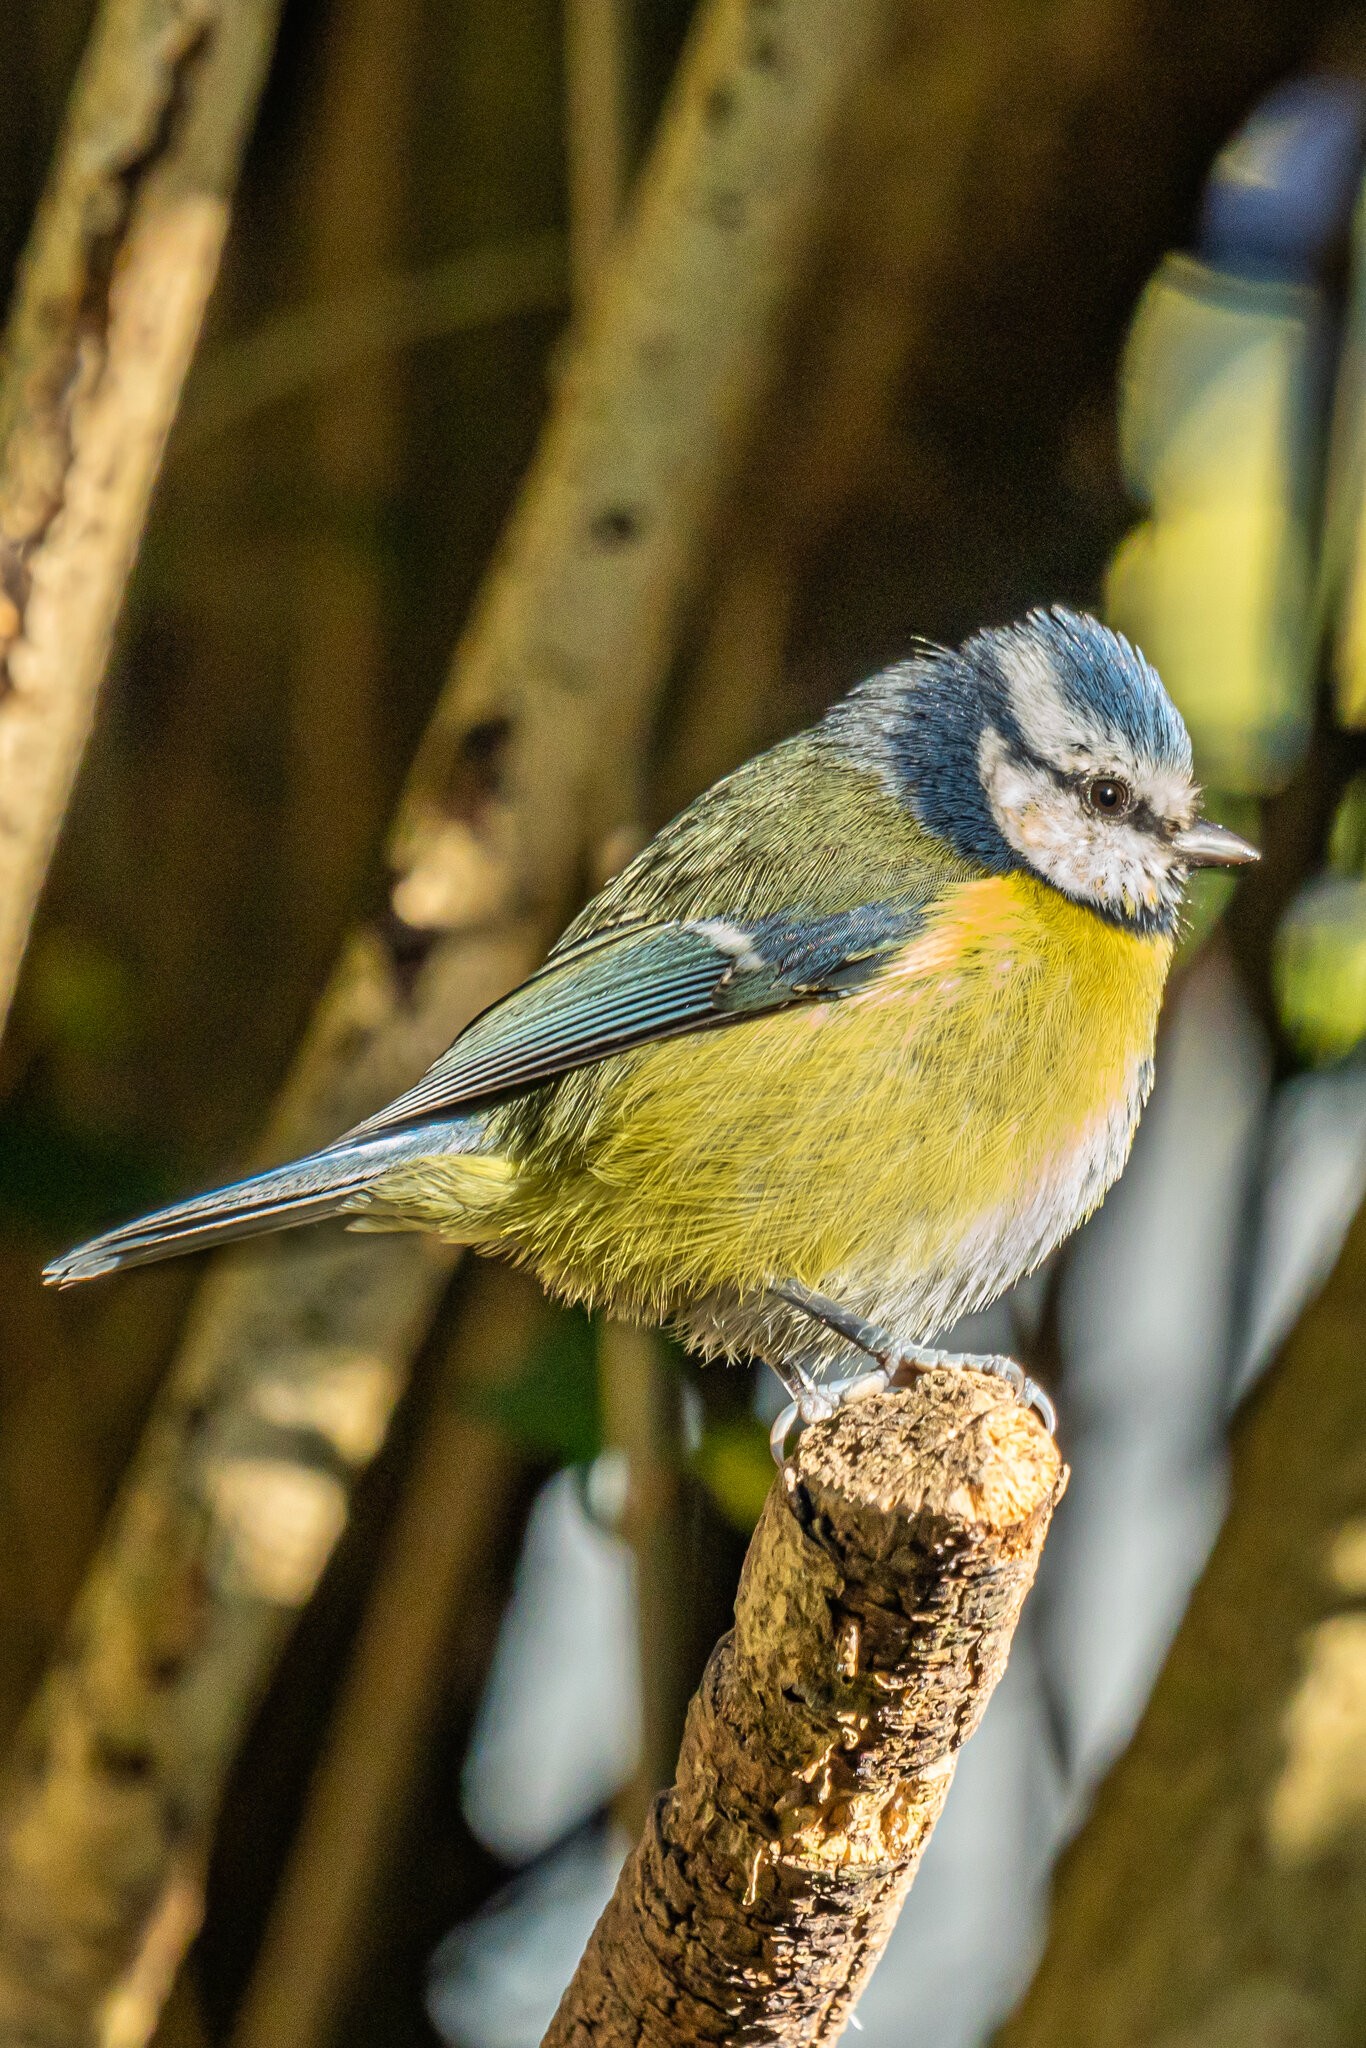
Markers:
point(917, 1359)
point(896, 1365)
point(810, 1401)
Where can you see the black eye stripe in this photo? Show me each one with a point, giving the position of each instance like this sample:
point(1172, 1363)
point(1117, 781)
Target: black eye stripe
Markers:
point(1139, 811)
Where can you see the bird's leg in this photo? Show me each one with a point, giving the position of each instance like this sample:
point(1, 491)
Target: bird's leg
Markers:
point(811, 1402)
point(895, 1363)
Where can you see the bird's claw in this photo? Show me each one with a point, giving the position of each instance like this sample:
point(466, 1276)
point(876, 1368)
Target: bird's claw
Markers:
point(1034, 1397)
point(820, 1404)
point(997, 1364)
point(1027, 1390)
point(896, 1366)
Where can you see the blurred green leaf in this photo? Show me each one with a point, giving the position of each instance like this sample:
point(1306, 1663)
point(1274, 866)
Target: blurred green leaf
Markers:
point(1347, 839)
point(1209, 890)
point(79, 996)
point(735, 1465)
point(1320, 969)
point(550, 1406)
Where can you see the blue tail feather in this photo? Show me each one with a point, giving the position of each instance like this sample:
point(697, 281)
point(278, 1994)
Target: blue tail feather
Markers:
point(324, 1184)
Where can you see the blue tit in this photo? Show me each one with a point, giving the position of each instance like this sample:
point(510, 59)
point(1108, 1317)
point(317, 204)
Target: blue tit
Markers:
point(845, 1051)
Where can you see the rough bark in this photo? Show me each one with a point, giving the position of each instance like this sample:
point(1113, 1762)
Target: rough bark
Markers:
point(873, 1620)
point(298, 1349)
point(110, 295)
point(1217, 1895)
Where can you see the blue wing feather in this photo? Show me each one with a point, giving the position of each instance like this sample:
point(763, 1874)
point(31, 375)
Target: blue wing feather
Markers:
point(629, 987)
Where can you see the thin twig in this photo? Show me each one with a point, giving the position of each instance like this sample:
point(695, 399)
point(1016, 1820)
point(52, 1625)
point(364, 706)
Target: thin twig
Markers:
point(641, 1414)
point(600, 129)
point(874, 1618)
point(111, 292)
point(642, 1422)
point(354, 208)
point(233, 382)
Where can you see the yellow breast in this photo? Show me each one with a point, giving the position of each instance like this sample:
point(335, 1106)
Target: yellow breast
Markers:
point(993, 1075)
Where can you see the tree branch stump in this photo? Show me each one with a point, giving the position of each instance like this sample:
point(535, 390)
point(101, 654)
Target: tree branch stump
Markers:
point(874, 1617)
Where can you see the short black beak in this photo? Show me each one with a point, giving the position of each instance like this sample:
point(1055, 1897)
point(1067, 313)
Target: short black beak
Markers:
point(1207, 845)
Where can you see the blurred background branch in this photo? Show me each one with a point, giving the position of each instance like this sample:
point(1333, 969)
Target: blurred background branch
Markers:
point(1216, 1893)
point(457, 1503)
point(232, 383)
point(601, 121)
point(111, 293)
point(640, 1393)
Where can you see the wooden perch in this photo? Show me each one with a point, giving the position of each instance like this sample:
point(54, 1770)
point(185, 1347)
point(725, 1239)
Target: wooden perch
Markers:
point(1216, 1897)
point(874, 1618)
point(299, 1349)
point(111, 291)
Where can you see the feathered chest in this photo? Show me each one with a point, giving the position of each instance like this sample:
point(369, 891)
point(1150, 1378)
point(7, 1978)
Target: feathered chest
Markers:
point(985, 1083)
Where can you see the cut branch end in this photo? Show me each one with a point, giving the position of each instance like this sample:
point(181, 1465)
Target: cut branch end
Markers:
point(874, 1617)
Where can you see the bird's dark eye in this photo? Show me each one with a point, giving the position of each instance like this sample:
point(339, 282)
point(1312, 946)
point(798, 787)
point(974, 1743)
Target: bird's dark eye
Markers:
point(1107, 796)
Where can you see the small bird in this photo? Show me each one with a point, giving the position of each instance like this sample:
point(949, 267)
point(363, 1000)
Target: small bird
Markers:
point(851, 1045)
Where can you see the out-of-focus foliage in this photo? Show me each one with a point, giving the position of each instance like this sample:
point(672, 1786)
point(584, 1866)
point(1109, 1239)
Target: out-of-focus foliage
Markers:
point(1243, 431)
point(1321, 968)
point(735, 1464)
point(1215, 586)
point(1343, 585)
point(1321, 944)
point(551, 1405)
point(1210, 891)
point(1222, 425)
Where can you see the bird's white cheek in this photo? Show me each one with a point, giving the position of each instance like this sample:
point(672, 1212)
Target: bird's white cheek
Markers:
point(1095, 862)
point(1047, 834)
point(1141, 871)
point(1037, 819)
